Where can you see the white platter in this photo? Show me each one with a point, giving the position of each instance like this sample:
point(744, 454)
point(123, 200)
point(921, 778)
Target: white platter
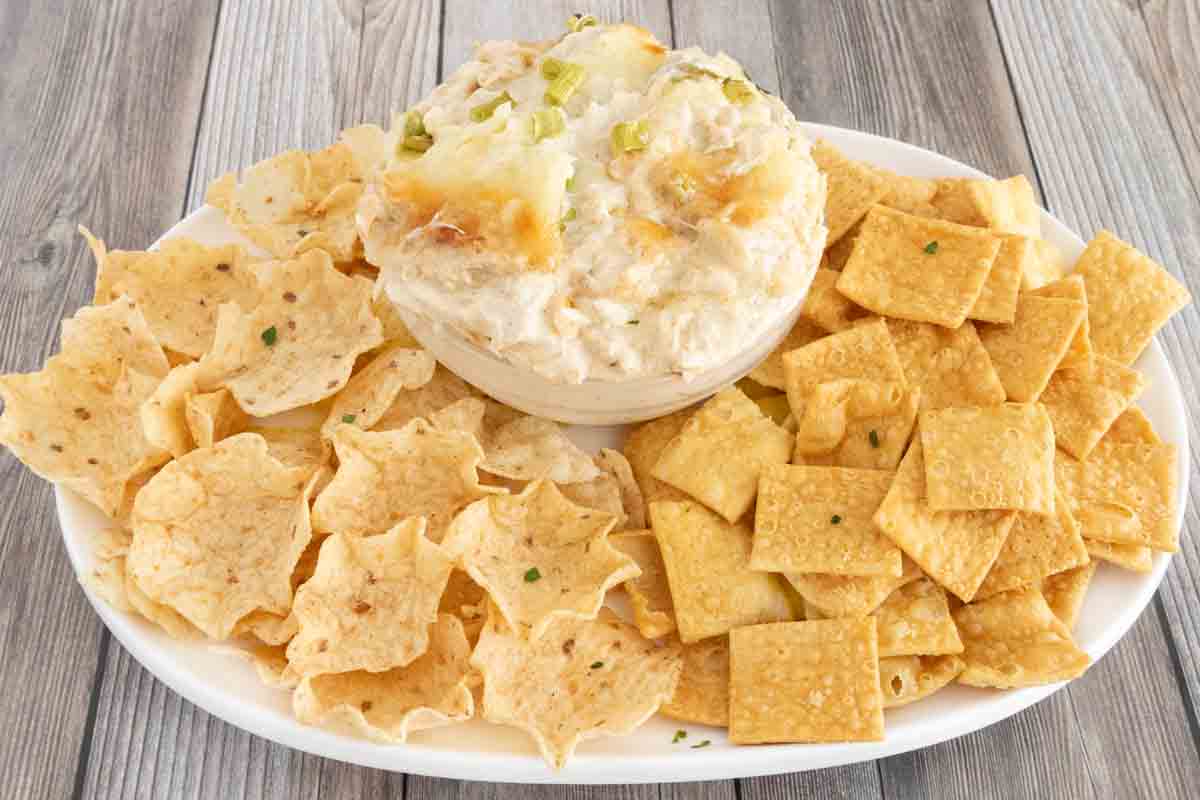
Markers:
point(227, 687)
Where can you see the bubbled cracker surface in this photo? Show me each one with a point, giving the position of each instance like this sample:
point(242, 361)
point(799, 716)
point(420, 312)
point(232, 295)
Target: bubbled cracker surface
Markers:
point(850, 596)
point(915, 620)
point(997, 301)
point(827, 307)
point(1083, 403)
point(645, 444)
point(1037, 546)
point(702, 694)
point(1079, 352)
point(950, 367)
point(1026, 353)
point(906, 679)
point(852, 188)
point(1065, 592)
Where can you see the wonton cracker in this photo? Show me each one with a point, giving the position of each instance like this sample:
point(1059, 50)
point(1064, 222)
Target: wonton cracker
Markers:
point(849, 595)
point(915, 621)
point(950, 367)
point(1026, 353)
point(827, 307)
point(1079, 353)
point(1008, 205)
point(997, 300)
point(645, 444)
point(702, 694)
point(1083, 403)
point(1065, 592)
point(1037, 546)
point(649, 593)
point(853, 187)
point(1127, 556)
point(906, 679)
point(770, 371)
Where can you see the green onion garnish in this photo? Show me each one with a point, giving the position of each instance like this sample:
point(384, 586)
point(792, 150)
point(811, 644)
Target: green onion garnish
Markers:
point(552, 68)
point(417, 144)
point(532, 575)
point(629, 136)
point(414, 124)
point(679, 736)
point(348, 418)
point(740, 92)
point(578, 22)
point(873, 436)
point(597, 664)
point(269, 336)
point(836, 519)
point(484, 111)
point(571, 184)
point(547, 123)
point(705, 743)
point(931, 248)
point(569, 78)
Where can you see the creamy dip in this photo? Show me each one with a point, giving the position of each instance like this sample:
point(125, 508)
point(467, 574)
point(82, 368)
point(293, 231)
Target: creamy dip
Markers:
point(664, 247)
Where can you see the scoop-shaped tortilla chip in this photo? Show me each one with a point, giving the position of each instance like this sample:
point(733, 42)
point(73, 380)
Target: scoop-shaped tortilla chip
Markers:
point(649, 593)
point(539, 555)
point(387, 706)
point(213, 416)
point(370, 602)
point(581, 679)
point(530, 448)
point(373, 389)
point(384, 477)
point(443, 389)
point(298, 345)
point(101, 341)
point(217, 533)
point(164, 414)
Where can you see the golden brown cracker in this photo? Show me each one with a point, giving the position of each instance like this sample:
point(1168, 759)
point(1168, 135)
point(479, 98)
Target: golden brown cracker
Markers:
point(853, 187)
point(826, 306)
point(1065, 591)
point(645, 444)
point(915, 621)
point(847, 595)
point(1026, 353)
point(1008, 206)
point(1083, 403)
point(998, 299)
point(1079, 353)
point(1038, 545)
point(649, 593)
point(702, 695)
point(950, 367)
point(906, 679)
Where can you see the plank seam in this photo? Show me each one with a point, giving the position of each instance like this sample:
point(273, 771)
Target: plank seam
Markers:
point(89, 726)
point(441, 51)
point(671, 22)
point(212, 48)
point(1189, 708)
point(1012, 86)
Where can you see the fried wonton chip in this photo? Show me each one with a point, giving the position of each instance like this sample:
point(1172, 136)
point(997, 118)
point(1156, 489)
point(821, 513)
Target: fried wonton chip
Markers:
point(387, 706)
point(908, 194)
point(1130, 296)
point(1038, 545)
point(1008, 206)
point(863, 352)
point(906, 679)
point(915, 621)
point(579, 680)
point(213, 416)
point(649, 593)
point(1079, 353)
point(875, 441)
point(853, 187)
point(815, 681)
point(819, 519)
point(1048, 266)
point(531, 448)
point(373, 389)
point(837, 254)
point(1065, 592)
point(217, 533)
point(828, 307)
point(178, 287)
point(298, 344)
point(950, 367)
point(1026, 353)
point(998, 299)
point(1123, 493)
point(990, 457)
point(708, 570)
point(821, 424)
point(1013, 640)
point(1127, 556)
point(835, 596)
point(719, 453)
point(955, 548)
point(539, 556)
point(443, 390)
point(1132, 427)
point(643, 447)
point(919, 269)
point(384, 477)
point(702, 695)
point(1084, 403)
point(370, 603)
point(616, 465)
point(770, 371)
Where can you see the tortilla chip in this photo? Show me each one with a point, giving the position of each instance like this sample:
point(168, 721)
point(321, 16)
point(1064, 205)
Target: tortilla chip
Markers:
point(373, 389)
point(443, 390)
point(581, 679)
point(298, 345)
point(539, 556)
point(1008, 206)
point(1039, 545)
point(916, 268)
point(1127, 556)
point(370, 603)
point(1065, 591)
point(296, 447)
point(615, 464)
point(908, 194)
point(1084, 403)
point(853, 187)
point(163, 415)
point(955, 548)
point(102, 342)
point(837, 596)
point(532, 448)
point(1079, 352)
point(708, 570)
point(1026, 353)
point(106, 579)
point(270, 629)
point(385, 477)
point(992, 457)
point(387, 706)
point(702, 694)
point(649, 593)
point(906, 679)
point(828, 307)
point(915, 621)
point(1130, 296)
point(770, 371)
point(719, 453)
point(814, 681)
point(998, 299)
point(395, 332)
point(168, 619)
point(818, 519)
point(467, 600)
point(217, 533)
point(212, 416)
point(1014, 640)
point(1132, 427)
point(644, 445)
point(950, 367)
point(1048, 266)
point(178, 287)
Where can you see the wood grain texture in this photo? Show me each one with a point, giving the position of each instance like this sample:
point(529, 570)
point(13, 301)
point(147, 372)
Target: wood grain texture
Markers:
point(76, 145)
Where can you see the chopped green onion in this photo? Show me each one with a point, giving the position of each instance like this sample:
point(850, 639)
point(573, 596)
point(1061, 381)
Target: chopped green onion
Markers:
point(484, 111)
point(552, 68)
point(629, 136)
point(874, 437)
point(836, 519)
point(567, 217)
point(679, 736)
point(547, 123)
point(348, 418)
point(705, 743)
point(569, 78)
point(597, 664)
point(740, 92)
point(695, 71)
point(578, 22)
point(571, 184)
point(414, 124)
point(634, 322)
point(269, 336)
point(532, 575)
point(931, 248)
point(417, 144)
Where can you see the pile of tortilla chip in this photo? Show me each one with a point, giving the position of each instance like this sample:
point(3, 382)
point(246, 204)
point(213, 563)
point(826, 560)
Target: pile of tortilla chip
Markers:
point(910, 491)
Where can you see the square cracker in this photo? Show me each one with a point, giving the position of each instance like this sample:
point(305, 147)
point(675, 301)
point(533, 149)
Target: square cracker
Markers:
point(1132, 427)
point(719, 453)
point(853, 187)
point(827, 307)
point(645, 444)
point(849, 595)
point(873, 442)
point(1014, 639)
point(1065, 592)
point(1083, 403)
point(1123, 493)
point(998, 299)
point(1127, 556)
point(919, 269)
point(708, 570)
point(915, 621)
point(1007, 206)
point(818, 519)
point(1049, 265)
point(1079, 352)
point(1038, 545)
point(993, 457)
point(864, 351)
point(814, 681)
point(702, 694)
point(955, 548)
point(1026, 353)
point(906, 679)
point(770, 371)
point(1130, 296)
point(950, 367)
point(908, 194)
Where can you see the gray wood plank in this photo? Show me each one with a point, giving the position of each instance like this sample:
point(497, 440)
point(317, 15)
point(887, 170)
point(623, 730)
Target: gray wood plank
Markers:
point(287, 73)
point(75, 147)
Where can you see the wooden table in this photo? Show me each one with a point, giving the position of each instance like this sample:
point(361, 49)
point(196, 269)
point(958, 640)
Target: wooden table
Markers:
point(117, 114)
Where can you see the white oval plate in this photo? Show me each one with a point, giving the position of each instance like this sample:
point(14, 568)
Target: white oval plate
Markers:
point(227, 687)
